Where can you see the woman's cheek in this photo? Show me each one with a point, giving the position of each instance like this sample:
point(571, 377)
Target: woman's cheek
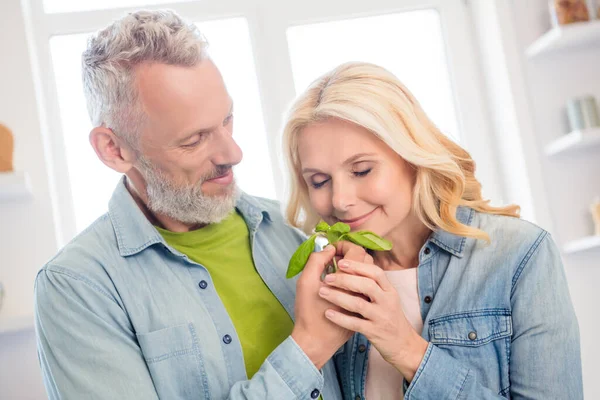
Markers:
point(379, 187)
point(318, 201)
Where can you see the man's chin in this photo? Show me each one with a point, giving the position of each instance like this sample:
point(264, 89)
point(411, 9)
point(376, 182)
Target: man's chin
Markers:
point(223, 192)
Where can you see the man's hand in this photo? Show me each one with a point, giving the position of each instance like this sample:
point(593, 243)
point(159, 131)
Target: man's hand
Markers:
point(318, 337)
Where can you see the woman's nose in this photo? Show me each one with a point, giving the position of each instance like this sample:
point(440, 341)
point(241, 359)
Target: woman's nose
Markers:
point(343, 196)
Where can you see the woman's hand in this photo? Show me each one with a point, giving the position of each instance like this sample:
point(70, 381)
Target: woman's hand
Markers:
point(317, 336)
point(364, 290)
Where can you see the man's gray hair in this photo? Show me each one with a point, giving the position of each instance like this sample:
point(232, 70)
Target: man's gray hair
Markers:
point(112, 54)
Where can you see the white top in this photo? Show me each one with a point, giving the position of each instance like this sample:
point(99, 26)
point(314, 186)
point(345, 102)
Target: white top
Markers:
point(384, 382)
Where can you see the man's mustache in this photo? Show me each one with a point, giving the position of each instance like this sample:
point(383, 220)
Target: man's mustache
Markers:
point(218, 172)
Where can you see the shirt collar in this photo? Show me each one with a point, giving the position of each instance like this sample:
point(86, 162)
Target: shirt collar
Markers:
point(450, 242)
point(253, 211)
point(135, 233)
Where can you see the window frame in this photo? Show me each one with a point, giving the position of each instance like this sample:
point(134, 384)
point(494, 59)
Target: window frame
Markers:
point(268, 21)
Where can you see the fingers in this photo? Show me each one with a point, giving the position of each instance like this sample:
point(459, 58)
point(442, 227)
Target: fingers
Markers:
point(349, 302)
point(351, 251)
point(349, 322)
point(370, 271)
point(356, 284)
point(317, 261)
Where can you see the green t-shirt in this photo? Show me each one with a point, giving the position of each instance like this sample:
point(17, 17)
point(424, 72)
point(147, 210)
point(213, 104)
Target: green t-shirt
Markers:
point(223, 249)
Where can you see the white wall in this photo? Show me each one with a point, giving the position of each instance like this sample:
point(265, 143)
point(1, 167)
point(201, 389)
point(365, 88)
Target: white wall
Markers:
point(509, 110)
point(526, 103)
point(571, 181)
point(27, 237)
point(20, 378)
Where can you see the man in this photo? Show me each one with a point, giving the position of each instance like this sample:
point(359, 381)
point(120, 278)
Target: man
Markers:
point(179, 291)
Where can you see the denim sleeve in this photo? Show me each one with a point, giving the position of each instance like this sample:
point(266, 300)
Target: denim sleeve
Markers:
point(88, 349)
point(86, 346)
point(287, 373)
point(545, 355)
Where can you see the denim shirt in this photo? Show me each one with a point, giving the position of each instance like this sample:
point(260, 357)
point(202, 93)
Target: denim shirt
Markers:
point(498, 319)
point(121, 315)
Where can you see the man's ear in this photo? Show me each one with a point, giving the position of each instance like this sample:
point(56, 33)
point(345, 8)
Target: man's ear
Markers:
point(111, 150)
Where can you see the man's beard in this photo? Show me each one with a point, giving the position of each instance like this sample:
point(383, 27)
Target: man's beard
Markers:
point(187, 203)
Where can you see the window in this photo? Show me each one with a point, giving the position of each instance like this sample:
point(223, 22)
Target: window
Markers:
point(267, 51)
point(409, 44)
point(230, 48)
point(92, 183)
point(62, 6)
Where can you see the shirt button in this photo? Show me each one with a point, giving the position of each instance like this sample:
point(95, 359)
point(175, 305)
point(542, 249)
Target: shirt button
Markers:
point(362, 348)
point(203, 284)
point(357, 397)
point(472, 335)
point(226, 339)
point(315, 393)
point(427, 299)
point(427, 250)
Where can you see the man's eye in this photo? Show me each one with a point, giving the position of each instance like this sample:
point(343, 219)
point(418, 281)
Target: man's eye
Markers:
point(228, 119)
point(198, 139)
point(191, 145)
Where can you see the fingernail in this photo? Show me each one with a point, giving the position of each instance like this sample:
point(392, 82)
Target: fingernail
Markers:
point(330, 313)
point(324, 291)
point(330, 278)
point(343, 264)
point(329, 247)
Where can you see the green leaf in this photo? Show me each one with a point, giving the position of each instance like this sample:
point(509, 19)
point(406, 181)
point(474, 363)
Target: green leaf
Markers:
point(300, 257)
point(369, 240)
point(340, 227)
point(333, 237)
point(322, 227)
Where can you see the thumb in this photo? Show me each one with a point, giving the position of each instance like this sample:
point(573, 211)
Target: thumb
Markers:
point(317, 261)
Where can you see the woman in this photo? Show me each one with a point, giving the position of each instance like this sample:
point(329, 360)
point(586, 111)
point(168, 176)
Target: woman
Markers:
point(471, 302)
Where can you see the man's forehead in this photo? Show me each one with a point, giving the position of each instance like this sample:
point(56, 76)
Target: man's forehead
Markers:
point(164, 86)
point(179, 99)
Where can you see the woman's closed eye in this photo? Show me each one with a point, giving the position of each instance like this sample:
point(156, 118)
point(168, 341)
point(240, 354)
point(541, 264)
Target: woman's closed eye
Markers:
point(319, 184)
point(362, 173)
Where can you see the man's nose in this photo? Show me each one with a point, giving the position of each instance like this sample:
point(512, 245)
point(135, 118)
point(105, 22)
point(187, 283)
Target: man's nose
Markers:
point(227, 152)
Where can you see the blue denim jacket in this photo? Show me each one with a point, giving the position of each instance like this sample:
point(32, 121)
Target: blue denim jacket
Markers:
point(121, 315)
point(498, 319)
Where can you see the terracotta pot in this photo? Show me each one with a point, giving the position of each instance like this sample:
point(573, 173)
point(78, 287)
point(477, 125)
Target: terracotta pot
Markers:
point(6, 149)
point(569, 11)
point(595, 209)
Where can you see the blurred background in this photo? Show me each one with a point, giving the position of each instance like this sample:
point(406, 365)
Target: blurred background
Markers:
point(515, 82)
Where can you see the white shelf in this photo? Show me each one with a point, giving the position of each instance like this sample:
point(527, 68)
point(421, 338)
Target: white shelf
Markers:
point(14, 185)
point(15, 324)
point(574, 141)
point(587, 243)
point(567, 36)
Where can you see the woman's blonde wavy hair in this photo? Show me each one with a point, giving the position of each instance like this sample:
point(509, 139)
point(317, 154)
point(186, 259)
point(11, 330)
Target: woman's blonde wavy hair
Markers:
point(371, 97)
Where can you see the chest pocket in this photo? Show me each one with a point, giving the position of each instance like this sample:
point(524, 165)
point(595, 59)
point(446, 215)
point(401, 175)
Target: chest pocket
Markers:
point(471, 328)
point(480, 339)
point(175, 363)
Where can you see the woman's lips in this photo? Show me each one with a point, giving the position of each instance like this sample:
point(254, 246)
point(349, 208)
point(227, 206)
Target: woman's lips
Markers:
point(356, 222)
